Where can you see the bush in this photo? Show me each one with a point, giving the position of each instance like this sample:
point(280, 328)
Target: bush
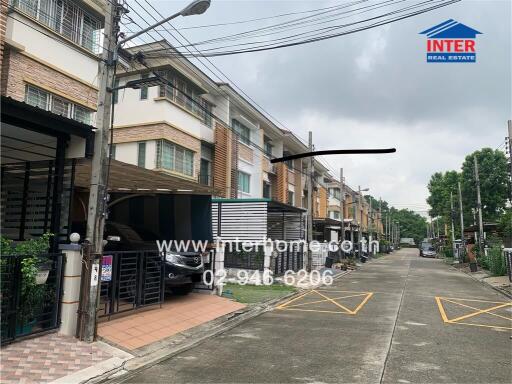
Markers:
point(496, 261)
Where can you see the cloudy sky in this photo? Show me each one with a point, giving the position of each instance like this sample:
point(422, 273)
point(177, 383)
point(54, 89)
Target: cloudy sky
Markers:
point(374, 89)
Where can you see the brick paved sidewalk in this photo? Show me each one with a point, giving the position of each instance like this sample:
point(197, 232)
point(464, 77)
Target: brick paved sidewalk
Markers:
point(46, 358)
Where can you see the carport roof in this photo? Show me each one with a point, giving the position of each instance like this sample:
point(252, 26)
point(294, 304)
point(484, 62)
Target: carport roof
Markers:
point(126, 177)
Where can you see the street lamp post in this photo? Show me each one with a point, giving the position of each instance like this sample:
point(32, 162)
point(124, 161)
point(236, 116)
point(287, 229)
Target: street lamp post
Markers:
point(99, 169)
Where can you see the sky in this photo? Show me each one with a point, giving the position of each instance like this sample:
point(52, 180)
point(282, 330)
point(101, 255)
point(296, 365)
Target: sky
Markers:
point(374, 89)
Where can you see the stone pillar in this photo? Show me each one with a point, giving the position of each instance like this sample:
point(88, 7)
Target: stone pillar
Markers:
point(71, 288)
point(267, 260)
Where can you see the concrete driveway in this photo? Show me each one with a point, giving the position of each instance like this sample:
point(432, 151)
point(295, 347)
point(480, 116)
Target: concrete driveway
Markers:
point(399, 319)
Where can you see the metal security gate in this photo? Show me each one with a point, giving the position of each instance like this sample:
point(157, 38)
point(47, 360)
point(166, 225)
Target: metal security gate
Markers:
point(292, 259)
point(30, 296)
point(130, 280)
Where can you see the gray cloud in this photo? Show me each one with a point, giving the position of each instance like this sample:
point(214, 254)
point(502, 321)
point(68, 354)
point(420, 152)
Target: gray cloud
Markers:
point(374, 88)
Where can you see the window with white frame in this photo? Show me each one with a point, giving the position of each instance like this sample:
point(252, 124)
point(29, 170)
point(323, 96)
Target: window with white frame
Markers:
point(244, 133)
point(141, 154)
point(144, 88)
point(175, 158)
point(66, 18)
point(244, 182)
point(48, 101)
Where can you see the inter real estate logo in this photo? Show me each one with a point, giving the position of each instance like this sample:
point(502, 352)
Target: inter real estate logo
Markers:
point(451, 42)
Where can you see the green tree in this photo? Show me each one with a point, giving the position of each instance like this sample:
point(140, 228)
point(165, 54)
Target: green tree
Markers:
point(493, 174)
point(440, 187)
point(412, 224)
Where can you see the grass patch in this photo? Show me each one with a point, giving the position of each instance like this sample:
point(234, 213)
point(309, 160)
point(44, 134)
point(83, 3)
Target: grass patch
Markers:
point(248, 294)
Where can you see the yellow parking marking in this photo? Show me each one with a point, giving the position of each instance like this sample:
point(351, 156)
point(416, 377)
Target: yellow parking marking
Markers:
point(477, 311)
point(290, 306)
point(370, 294)
point(325, 300)
point(335, 303)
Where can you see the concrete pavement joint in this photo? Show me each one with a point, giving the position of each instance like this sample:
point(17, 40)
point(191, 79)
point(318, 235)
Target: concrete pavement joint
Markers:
point(395, 324)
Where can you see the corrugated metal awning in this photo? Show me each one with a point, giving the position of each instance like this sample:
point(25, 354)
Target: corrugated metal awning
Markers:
point(126, 177)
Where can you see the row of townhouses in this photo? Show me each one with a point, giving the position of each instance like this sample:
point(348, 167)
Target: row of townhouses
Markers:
point(188, 138)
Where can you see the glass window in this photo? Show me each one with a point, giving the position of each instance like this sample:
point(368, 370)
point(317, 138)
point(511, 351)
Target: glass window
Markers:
point(266, 190)
point(144, 88)
point(112, 151)
point(291, 196)
point(66, 18)
point(141, 154)
point(267, 146)
point(175, 158)
point(244, 182)
point(244, 133)
point(60, 106)
point(82, 115)
point(37, 97)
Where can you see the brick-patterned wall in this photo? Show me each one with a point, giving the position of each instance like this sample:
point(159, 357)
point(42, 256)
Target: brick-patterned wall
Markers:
point(298, 182)
point(246, 153)
point(235, 147)
point(282, 182)
point(3, 26)
point(23, 69)
point(222, 160)
point(160, 131)
point(320, 207)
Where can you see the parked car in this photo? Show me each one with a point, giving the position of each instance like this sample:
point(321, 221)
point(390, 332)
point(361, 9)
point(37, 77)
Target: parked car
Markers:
point(427, 250)
point(181, 269)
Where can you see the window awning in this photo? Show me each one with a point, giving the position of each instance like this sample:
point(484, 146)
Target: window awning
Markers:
point(126, 177)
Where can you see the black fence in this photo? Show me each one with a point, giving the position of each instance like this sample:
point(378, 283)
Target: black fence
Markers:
point(30, 292)
point(507, 253)
point(130, 280)
point(238, 258)
point(292, 259)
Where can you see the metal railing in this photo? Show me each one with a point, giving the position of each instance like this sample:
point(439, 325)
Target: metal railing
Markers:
point(30, 290)
point(241, 259)
point(292, 259)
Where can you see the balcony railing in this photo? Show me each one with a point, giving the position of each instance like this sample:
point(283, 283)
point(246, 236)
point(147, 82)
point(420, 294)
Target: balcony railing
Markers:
point(66, 18)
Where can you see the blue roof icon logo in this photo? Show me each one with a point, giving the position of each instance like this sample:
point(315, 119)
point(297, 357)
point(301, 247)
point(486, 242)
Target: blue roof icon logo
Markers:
point(451, 29)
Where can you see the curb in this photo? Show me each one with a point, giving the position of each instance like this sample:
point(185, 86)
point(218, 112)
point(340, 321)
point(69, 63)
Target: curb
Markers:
point(133, 366)
point(484, 283)
point(130, 368)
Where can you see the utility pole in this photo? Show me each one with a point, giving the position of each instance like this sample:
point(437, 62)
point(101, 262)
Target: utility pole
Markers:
point(453, 228)
point(479, 207)
point(462, 244)
point(370, 226)
point(380, 218)
point(510, 158)
point(310, 203)
point(342, 205)
point(99, 175)
point(360, 237)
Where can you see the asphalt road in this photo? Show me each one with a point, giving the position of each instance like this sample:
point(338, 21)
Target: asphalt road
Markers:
point(399, 319)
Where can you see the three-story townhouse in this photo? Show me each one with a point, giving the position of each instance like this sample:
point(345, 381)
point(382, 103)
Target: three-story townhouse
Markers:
point(49, 89)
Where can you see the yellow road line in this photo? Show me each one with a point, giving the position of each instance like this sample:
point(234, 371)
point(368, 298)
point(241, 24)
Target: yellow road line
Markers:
point(294, 299)
point(313, 310)
point(335, 303)
point(441, 310)
point(325, 290)
point(363, 302)
point(480, 301)
point(483, 325)
point(481, 311)
point(323, 301)
point(478, 309)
